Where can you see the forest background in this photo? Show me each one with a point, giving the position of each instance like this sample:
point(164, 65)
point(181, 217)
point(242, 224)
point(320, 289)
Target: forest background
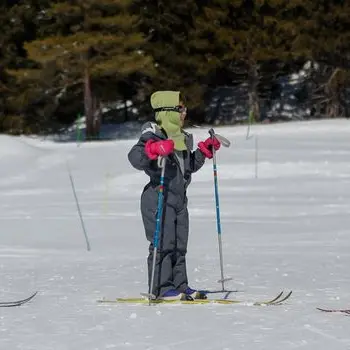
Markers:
point(235, 61)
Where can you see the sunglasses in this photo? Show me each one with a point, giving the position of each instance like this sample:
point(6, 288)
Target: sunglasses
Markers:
point(179, 109)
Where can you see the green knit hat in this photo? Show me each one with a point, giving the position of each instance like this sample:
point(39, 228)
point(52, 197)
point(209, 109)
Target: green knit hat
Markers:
point(169, 120)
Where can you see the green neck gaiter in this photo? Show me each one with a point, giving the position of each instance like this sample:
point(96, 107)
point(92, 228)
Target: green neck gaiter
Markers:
point(169, 120)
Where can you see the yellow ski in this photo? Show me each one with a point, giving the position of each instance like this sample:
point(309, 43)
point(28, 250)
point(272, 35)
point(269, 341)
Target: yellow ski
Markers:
point(275, 301)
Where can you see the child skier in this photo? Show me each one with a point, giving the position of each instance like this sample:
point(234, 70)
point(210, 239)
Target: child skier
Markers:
point(165, 138)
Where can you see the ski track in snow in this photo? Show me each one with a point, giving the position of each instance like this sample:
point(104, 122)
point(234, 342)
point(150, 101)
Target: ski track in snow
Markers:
point(286, 229)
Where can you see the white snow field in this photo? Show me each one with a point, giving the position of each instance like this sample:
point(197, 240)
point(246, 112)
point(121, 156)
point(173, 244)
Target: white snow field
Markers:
point(285, 225)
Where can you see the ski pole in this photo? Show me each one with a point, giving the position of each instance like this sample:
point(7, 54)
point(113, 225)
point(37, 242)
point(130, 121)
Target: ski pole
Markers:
point(161, 164)
point(225, 143)
point(78, 207)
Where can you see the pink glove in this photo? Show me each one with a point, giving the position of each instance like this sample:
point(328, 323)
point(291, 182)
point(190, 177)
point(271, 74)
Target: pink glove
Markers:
point(206, 147)
point(154, 149)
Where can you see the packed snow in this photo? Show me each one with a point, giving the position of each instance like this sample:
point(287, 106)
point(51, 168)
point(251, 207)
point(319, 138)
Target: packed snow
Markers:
point(285, 215)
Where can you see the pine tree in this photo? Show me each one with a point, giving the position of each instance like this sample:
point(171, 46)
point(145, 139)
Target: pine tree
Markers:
point(94, 44)
point(17, 26)
point(329, 44)
point(323, 37)
point(245, 35)
point(167, 23)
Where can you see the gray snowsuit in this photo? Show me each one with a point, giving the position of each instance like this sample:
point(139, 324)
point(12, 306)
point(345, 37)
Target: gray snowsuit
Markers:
point(170, 271)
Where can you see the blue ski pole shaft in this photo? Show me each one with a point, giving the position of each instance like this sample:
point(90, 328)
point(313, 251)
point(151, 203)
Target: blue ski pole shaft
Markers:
point(161, 164)
point(218, 221)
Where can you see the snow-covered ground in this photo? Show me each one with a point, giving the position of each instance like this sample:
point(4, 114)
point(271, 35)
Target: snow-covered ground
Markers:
point(285, 224)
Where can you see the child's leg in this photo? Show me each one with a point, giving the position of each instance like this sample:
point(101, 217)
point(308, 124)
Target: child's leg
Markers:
point(163, 275)
point(179, 270)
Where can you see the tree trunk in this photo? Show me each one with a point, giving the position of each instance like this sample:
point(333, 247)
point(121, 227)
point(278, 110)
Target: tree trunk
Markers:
point(253, 81)
point(332, 92)
point(97, 114)
point(88, 107)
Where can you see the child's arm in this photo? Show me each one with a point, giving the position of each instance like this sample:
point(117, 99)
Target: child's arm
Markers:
point(203, 151)
point(138, 157)
point(197, 160)
point(144, 155)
